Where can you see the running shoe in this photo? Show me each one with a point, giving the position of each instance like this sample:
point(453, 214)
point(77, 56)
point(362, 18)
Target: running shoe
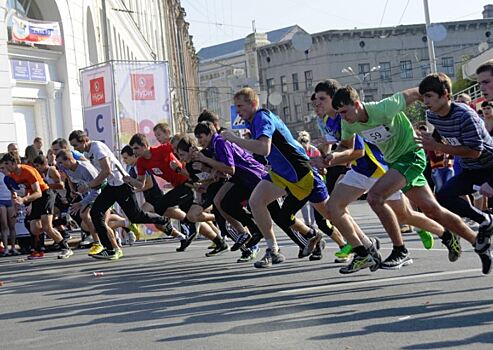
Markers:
point(256, 238)
point(246, 256)
point(96, 248)
point(406, 229)
point(301, 255)
point(426, 238)
point(312, 243)
point(344, 252)
point(212, 246)
point(137, 231)
point(270, 258)
point(241, 241)
point(374, 251)
point(486, 257)
point(483, 239)
point(218, 250)
point(118, 254)
point(358, 263)
point(65, 254)
point(317, 252)
point(105, 254)
point(396, 260)
point(132, 237)
point(452, 242)
point(36, 255)
point(186, 242)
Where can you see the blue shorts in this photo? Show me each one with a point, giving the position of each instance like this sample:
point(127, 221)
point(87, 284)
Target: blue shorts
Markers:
point(6, 203)
point(319, 191)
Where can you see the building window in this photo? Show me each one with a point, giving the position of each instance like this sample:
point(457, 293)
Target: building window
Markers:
point(297, 111)
point(448, 66)
point(284, 85)
point(385, 71)
point(406, 69)
point(308, 79)
point(296, 85)
point(286, 114)
point(270, 85)
point(363, 68)
point(425, 68)
point(309, 107)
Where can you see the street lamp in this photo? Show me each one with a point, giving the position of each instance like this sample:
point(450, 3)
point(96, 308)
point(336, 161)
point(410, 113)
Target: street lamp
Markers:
point(348, 70)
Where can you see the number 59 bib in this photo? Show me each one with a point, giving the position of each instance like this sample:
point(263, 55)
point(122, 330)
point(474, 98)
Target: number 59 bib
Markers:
point(376, 135)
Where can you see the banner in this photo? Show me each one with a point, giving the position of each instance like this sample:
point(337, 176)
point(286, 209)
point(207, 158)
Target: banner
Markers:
point(97, 105)
point(26, 30)
point(142, 98)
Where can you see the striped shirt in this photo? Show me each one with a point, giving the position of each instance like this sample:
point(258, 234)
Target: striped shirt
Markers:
point(463, 127)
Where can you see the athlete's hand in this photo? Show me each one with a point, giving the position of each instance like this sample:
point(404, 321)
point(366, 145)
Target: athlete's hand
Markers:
point(426, 141)
point(75, 208)
point(486, 190)
point(19, 200)
point(199, 156)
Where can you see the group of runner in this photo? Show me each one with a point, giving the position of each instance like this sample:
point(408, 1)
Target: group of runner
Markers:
point(225, 185)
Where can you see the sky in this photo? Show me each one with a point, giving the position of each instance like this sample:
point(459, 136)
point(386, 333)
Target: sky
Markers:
point(216, 21)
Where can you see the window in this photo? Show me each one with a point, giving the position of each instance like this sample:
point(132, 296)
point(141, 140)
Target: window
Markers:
point(425, 68)
point(286, 114)
point(297, 111)
point(406, 69)
point(296, 86)
point(385, 72)
point(284, 85)
point(363, 68)
point(270, 85)
point(448, 66)
point(309, 107)
point(308, 79)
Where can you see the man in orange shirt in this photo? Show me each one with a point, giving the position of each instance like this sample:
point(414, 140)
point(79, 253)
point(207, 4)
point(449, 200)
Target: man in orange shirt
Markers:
point(42, 201)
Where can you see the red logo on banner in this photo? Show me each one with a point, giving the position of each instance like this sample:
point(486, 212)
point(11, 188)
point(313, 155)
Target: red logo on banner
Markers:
point(97, 91)
point(143, 87)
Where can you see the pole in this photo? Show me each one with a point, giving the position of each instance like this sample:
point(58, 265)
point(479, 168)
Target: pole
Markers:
point(431, 48)
point(104, 32)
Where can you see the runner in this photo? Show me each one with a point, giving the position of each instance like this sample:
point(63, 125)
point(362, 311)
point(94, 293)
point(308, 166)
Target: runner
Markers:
point(115, 191)
point(386, 124)
point(42, 201)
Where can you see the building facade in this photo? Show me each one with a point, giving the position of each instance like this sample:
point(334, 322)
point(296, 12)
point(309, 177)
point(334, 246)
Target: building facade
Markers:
point(227, 67)
point(378, 62)
point(49, 104)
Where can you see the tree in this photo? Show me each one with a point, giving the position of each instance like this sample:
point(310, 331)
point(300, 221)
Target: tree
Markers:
point(460, 83)
point(416, 112)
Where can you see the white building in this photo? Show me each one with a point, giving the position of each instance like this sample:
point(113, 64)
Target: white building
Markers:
point(43, 98)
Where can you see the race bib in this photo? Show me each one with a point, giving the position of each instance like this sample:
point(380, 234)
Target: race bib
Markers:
point(453, 141)
point(377, 135)
point(157, 171)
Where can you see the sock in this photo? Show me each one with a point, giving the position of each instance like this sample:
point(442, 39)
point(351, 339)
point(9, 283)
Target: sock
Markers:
point(401, 248)
point(446, 236)
point(218, 241)
point(360, 250)
point(366, 242)
point(272, 245)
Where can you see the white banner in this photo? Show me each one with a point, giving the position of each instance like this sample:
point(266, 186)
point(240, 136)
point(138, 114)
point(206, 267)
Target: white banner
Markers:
point(142, 97)
point(27, 30)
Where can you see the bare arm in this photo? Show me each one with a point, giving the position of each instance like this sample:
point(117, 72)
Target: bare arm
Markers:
point(411, 95)
point(103, 174)
point(57, 179)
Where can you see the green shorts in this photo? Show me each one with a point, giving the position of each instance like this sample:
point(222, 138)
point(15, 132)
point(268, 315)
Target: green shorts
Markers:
point(411, 165)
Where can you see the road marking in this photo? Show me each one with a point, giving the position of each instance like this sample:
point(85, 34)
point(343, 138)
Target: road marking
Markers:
point(375, 281)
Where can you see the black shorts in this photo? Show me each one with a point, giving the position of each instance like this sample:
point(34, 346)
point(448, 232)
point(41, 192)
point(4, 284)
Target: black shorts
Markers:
point(42, 206)
point(208, 197)
point(181, 196)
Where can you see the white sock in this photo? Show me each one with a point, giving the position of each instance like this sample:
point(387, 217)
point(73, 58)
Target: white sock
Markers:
point(272, 245)
point(366, 242)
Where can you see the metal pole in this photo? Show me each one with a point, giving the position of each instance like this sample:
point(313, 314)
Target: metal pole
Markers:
point(431, 48)
point(104, 32)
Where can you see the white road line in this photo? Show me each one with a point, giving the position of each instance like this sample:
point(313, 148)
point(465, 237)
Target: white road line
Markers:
point(377, 281)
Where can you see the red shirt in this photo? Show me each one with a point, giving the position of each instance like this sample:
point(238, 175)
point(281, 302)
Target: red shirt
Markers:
point(158, 165)
point(28, 177)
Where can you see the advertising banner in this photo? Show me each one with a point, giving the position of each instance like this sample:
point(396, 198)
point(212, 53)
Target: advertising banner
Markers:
point(97, 105)
point(26, 30)
point(142, 98)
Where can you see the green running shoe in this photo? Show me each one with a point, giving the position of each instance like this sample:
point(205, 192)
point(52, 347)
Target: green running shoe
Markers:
point(426, 238)
point(344, 252)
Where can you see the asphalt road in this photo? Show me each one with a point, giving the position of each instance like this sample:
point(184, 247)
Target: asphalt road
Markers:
point(156, 298)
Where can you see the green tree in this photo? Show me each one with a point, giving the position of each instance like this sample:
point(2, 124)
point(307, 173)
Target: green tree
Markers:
point(416, 112)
